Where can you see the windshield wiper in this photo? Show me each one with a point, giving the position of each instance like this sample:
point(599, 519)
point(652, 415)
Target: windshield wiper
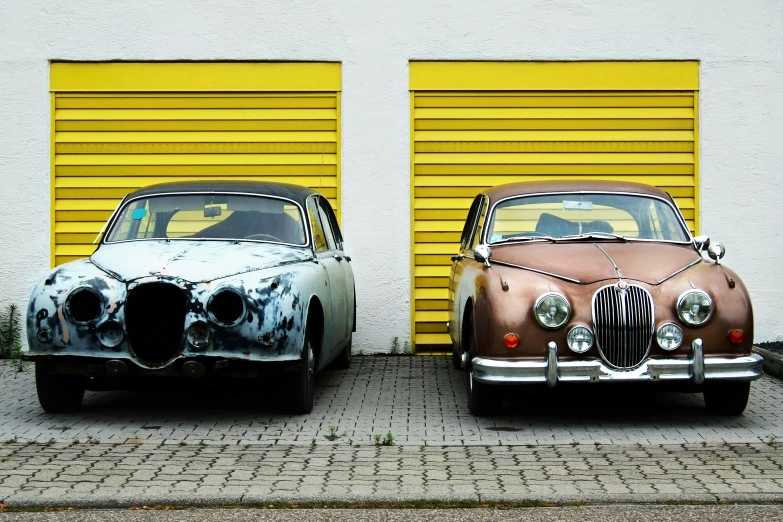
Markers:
point(523, 238)
point(592, 235)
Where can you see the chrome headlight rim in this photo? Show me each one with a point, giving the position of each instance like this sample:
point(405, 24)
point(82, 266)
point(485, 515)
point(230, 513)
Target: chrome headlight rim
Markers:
point(584, 327)
point(552, 294)
point(210, 303)
point(683, 296)
point(69, 298)
point(660, 328)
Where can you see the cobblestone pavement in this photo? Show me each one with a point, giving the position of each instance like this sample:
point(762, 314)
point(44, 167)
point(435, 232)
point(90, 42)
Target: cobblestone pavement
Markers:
point(613, 513)
point(419, 400)
point(109, 475)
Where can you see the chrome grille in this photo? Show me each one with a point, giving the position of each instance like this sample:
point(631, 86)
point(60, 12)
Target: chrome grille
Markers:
point(624, 322)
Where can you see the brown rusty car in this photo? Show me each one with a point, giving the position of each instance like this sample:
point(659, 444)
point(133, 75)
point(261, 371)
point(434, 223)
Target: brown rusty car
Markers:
point(591, 281)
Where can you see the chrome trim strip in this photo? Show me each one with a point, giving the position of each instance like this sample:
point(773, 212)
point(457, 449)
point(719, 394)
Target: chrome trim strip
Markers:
point(681, 270)
point(564, 278)
point(683, 224)
point(616, 268)
point(110, 223)
point(538, 371)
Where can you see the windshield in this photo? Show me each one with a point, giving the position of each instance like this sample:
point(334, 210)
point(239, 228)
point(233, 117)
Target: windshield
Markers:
point(599, 215)
point(209, 216)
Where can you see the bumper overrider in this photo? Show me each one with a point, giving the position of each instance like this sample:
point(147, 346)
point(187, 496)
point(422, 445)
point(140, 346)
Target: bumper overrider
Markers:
point(696, 368)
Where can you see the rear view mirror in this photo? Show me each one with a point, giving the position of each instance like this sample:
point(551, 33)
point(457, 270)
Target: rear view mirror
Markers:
point(701, 242)
point(482, 254)
point(212, 211)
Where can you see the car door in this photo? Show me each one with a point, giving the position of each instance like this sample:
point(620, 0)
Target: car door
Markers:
point(333, 278)
point(458, 265)
point(350, 291)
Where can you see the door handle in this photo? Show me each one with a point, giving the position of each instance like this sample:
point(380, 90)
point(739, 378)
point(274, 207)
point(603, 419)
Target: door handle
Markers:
point(348, 258)
point(338, 258)
point(457, 258)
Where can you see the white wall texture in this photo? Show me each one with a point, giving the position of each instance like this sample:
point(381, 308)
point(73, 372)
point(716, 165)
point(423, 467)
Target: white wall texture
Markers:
point(739, 43)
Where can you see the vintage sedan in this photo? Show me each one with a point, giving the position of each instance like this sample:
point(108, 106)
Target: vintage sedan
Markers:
point(591, 281)
point(198, 280)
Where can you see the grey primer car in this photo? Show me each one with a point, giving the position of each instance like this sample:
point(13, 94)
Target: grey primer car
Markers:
point(198, 280)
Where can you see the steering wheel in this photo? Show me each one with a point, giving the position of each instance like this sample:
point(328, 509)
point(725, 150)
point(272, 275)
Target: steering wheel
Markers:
point(264, 237)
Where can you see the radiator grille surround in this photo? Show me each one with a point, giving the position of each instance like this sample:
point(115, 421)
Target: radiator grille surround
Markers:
point(624, 323)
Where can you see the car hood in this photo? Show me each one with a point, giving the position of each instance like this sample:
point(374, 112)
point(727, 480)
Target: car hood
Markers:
point(193, 261)
point(589, 262)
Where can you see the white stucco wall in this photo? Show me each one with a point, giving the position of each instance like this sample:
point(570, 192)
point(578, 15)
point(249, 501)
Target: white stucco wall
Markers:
point(739, 43)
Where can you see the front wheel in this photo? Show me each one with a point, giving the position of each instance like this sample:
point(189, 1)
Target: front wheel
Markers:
point(456, 360)
point(302, 386)
point(59, 393)
point(726, 398)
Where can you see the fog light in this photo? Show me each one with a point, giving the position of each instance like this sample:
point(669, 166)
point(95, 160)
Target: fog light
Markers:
point(580, 339)
point(669, 336)
point(511, 340)
point(736, 336)
point(198, 335)
point(110, 334)
point(45, 334)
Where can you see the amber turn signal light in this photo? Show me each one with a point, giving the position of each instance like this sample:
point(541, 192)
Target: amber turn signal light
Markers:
point(511, 340)
point(736, 336)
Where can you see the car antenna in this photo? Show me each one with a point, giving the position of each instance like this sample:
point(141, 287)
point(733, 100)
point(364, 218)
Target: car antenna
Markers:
point(321, 173)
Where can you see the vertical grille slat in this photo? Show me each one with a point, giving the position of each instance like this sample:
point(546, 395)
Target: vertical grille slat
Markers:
point(623, 323)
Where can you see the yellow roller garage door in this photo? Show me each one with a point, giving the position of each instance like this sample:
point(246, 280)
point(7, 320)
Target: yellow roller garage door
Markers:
point(479, 124)
point(120, 126)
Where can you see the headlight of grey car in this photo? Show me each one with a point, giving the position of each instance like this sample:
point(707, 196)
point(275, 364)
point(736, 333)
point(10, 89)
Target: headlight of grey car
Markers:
point(552, 310)
point(694, 307)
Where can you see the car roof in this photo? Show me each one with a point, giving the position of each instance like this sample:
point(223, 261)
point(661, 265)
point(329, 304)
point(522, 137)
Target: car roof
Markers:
point(295, 193)
point(525, 188)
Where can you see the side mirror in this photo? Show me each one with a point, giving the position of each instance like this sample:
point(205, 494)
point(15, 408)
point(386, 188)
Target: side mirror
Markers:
point(701, 242)
point(482, 254)
point(716, 251)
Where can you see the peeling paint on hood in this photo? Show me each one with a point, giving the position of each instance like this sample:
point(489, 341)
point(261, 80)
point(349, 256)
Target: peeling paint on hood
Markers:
point(194, 261)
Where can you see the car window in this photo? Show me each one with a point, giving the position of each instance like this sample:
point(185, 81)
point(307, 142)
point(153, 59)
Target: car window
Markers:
point(319, 236)
point(559, 215)
point(209, 216)
point(470, 222)
point(476, 239)
point(331, 219)
point(327, 228)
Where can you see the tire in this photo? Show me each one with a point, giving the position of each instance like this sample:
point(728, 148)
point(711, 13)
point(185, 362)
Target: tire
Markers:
point(456, 360)
point(343, 361)
point(59, 393)
point(726, 398)
point(302, 384)
point(483, 399)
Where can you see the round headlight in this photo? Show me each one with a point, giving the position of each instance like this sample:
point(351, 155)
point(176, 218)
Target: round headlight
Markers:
point(669, 336)
point(84, 305)
point(580, 339)
point(198, 335)
point(694, 307)
point(226, 307)
point(552, 310)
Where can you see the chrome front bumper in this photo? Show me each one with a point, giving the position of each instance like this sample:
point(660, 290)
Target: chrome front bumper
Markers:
point(696, 368)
